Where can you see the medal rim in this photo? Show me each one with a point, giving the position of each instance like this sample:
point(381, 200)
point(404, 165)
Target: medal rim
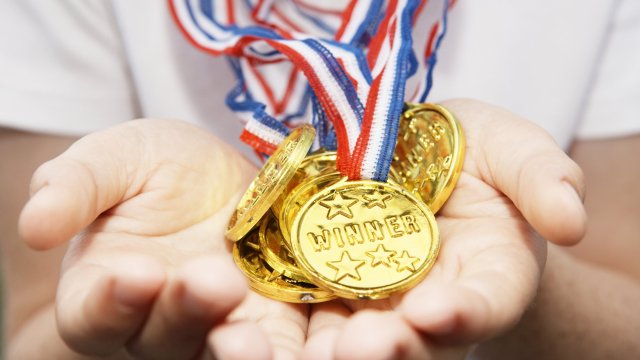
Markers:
point(284, 290)
point(318, 155)
point(284, 219)
point(436, 202)
point(273, 259)
point(240, 225)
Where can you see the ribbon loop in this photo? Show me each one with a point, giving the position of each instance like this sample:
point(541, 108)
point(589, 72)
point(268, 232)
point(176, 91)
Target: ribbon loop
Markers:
point(341, 66)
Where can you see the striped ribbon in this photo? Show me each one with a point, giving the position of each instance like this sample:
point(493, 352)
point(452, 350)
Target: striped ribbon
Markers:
point(341, 68)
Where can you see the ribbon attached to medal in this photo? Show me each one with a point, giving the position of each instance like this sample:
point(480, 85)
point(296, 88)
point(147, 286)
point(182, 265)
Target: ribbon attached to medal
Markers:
point(361, 95)
point(342, 69)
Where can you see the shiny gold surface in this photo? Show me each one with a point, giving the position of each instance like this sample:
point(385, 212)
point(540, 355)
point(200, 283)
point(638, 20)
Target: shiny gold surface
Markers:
point(326, 236)
point(274, 251)
point(429, 153)
point(364, 239)
point(270, 182)
point(299, 196)
point(316, 164)
point(269, 283)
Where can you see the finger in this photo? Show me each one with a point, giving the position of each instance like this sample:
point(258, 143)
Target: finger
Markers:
point(39, 338)
point(371, 335)
point(525, 163)
point(285, 324)
point(381, 335)
point(201, 294)
point(482, 283)
point(238, 341)
point(325, 323)
point(70, 191)
point(99, 307)
point(108, 168)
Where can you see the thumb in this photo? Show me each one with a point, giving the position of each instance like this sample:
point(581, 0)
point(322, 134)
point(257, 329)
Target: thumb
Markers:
point(72, 190)
point(524, 162)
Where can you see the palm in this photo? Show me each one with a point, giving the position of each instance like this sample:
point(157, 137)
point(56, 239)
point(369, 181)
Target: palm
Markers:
point(183, 228)
point(489, 260)
point(162, 192)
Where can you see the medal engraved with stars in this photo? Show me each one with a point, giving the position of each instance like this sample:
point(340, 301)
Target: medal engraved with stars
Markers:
point(364, 239)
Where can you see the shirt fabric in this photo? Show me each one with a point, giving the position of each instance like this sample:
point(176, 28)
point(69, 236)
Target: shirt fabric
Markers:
point(73, 67)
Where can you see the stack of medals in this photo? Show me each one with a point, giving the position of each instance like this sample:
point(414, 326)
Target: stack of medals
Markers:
point(303, 233)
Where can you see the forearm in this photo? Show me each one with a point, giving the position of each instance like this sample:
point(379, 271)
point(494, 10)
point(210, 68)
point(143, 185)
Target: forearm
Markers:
point(581, 312)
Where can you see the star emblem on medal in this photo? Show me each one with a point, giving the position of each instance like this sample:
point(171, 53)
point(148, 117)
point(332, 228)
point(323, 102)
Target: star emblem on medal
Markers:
point(317, 168)
point(376, 198)
point(381, 256)
point(405, 262)
point(346, 266)
point(338, 205)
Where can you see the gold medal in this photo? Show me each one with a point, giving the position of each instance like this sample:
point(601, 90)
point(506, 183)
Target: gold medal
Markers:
point(429, 153)
point(270, 182)
point(274, 251)
point(319, 163)
point(265, 281)
point(326, 236)
point(300, 195)
point(364, 239)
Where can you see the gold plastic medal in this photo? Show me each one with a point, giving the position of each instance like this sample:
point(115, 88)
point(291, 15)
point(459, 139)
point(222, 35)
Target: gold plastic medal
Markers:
point(270, 182)
point(299, 196)
point(319, 163)
point(269, 283)
point(429, 153)
point(365, 239)
point(275, 252)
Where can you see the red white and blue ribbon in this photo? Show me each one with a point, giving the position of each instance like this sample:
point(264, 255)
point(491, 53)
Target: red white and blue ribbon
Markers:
point(341, 68)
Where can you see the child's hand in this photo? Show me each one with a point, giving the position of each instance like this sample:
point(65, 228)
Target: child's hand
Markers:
point(151, 274)
point(490, 261)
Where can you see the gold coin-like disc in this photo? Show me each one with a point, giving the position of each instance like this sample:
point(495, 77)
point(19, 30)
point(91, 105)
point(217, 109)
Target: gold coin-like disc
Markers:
point(318, 163)
point(270, 182)
point(299, 196)
point(274, 251)
point(429, 153)
point(365, 239)
point(269, 283)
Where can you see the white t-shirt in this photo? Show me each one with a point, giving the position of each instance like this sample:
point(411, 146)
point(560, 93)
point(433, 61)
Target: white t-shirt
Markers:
point(73, 67)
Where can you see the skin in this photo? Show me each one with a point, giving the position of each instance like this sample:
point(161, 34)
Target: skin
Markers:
point(490, 262)
point(612, 179)
point(589, 293)
point(144, 225)
point(28, 290)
